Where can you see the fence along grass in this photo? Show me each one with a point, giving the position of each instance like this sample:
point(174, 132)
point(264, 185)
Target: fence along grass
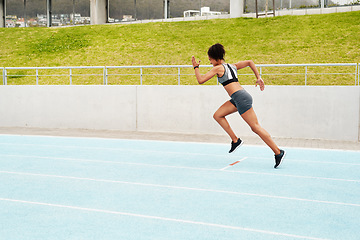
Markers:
point(294, 74)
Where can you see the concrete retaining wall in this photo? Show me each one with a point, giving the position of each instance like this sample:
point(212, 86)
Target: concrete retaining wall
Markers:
point(88, 107)
point(311, 112)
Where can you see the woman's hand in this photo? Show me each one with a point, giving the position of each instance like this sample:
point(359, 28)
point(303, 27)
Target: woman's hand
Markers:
point(202, 78)
point(194, 63)
point(261, 83)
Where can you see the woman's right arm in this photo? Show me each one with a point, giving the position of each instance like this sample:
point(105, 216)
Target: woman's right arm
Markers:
point(207, 76)
point(248, 63)
point(251, 64)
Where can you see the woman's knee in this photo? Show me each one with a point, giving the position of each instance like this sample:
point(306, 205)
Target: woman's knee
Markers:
point(256, 128)
point(216, 116)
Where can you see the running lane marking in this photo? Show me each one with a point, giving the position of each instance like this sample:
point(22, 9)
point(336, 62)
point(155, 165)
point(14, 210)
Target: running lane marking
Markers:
point(185, 167)
point(161, 218)
point(119, 149)
point(179, 187)
point(232, 164)
point(313, 161)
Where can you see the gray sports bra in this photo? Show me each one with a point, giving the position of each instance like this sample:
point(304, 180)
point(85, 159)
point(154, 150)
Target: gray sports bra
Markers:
point(229, 75)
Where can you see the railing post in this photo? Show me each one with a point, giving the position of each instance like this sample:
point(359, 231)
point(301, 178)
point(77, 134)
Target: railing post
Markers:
point(179, 75)
point(105, 75)
point(37, 76)
point(358, 66)
point(70, 76)
point(141, 73)
point(3, 73)
point(5, 76)
point(358, 73)
point(260, 72)
point(305, 75)
point(356, 70)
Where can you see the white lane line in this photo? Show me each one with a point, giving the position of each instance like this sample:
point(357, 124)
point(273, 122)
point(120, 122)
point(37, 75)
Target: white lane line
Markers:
point(313, 161)
point(184, 153)
point(122, 149)
point(113, 162)
point(178, 187)
point(159, 141)
point(192, 168)
point(232, 164)
point(296, 176)
point(160, 218)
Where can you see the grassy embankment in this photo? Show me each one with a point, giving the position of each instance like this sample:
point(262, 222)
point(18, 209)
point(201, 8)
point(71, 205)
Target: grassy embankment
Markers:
point(330, 38)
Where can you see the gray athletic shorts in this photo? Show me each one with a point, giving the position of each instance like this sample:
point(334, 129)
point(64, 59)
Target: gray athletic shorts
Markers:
point(242, 100)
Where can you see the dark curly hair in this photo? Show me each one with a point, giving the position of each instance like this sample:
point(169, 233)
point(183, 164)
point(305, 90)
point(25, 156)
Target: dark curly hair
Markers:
point(217, 51)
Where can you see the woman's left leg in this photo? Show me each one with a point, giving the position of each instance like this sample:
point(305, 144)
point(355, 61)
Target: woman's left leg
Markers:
point(220, 116)
point(251, 119)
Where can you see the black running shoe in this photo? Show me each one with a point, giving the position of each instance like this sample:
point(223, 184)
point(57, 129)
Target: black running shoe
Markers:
point(235, 146)
point(279, 158)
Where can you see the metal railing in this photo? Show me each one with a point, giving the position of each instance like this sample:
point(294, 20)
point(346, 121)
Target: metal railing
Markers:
point(141, 74)
point(105, 74)
point(306, 66)
point(37, 75)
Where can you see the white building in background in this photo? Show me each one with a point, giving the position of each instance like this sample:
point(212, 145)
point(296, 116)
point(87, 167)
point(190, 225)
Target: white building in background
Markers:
point(75, 18)
point(20, 22)
point(41, 18)
point(11, 21)
point(205, 11)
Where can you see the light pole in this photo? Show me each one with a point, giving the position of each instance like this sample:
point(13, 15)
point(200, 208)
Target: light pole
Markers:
point(73, 12)
point(2, 13)
point(200, 8)
point(24, 13)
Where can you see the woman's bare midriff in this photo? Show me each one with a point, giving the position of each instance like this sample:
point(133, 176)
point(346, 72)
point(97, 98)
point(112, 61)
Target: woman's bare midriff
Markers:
point(233, 87)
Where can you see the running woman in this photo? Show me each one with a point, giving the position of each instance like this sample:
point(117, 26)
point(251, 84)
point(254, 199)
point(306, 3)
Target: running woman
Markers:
point(240, 101)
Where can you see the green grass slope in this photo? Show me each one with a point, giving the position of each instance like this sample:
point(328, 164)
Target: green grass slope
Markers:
point(329, 38)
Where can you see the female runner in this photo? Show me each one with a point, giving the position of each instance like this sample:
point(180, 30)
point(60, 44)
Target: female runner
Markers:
point(240, 101)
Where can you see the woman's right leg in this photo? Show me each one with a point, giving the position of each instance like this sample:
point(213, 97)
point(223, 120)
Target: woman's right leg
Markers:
point(251, 119)
point(226, 109)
